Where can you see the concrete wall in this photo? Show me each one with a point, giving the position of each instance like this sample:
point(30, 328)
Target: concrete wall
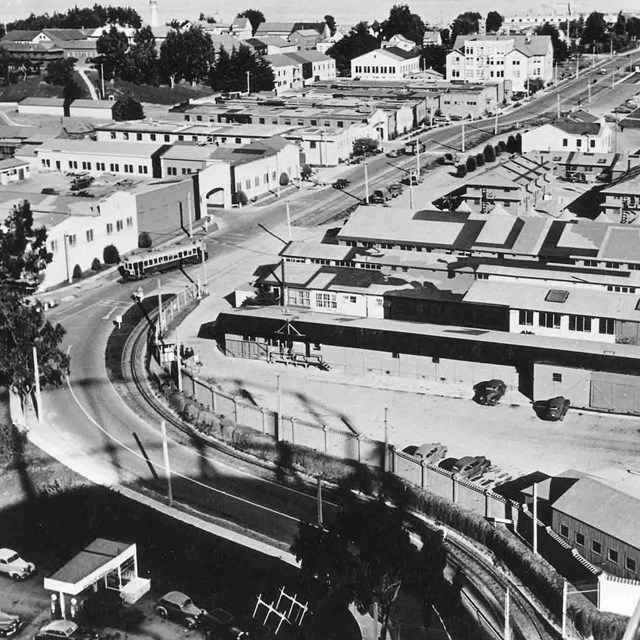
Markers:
point(574, 384)
point(618, 595)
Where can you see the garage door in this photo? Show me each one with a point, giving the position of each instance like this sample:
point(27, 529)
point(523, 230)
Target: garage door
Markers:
point(615, 392)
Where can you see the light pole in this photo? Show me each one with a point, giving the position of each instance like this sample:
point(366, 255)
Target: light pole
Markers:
point(286, 202)
point(248, 82)
point(65, 240)
point(165, 454)
point(366, 182)
point(36, 379)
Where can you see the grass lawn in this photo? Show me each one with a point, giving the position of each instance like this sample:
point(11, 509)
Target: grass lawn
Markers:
point(158, 95)
point(34, 87)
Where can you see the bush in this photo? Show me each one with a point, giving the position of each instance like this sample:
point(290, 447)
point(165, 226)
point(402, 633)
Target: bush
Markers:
point(479, 159)
point(498, 150)
point(111, 255)
point(284, 179)
point(241, 198)
point(305, 172)
point(462, 171)
point(471, 164)
point(77, 272)
point(96, 265)
point(489, 153)
point(502, 145)
point(364, 146)
point(12, 443)
point(144, 241)
point(512, 145)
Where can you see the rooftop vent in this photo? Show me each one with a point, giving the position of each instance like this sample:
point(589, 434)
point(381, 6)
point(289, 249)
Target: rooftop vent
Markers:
point(556, 295)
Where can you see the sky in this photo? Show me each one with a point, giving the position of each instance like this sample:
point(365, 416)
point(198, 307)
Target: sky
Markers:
point(346, 12)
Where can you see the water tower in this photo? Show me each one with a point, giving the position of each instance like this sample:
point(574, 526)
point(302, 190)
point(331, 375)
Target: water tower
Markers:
point(153, 4)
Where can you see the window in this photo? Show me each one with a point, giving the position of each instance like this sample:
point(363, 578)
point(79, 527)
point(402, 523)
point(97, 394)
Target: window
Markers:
point(125, 135)
point(326, 300)
point(119, 225)
point(72, 240)
point(592, 143)
point(129, 221)
point(54, 246)
point(612, 265)
point(549, 320)
point(564, 531)
point(109, 228)
point(525, 317)
point(113, 135)
point(265, 178)
point(100, 166)
point(167, 137)
point(312, 144)
point(596, 547)
point(247, 184)
point(565, 142)
point(299, 297)
point(256, 181)
point(89, 235)
point(556, 377)
point(630, 564)
point(142, 168)
point(152, 136)
point(578, 142)
point(580, 323)
point(580, 539)
point(606, 326)
point(351, 299)
point(613, 556)
point(138, 136)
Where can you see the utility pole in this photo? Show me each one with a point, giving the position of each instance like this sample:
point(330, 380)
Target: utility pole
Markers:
point(102, 80)
point(203, 253)
point(286, 202)
point(418, 156)
point(178, 361)
point(463, 136)
point(577, 65)
point(495, 125)
point(36, 379)
point(366, 183)
point(248, 82)
point(564, 609)
point(279, 396)
point(189, 214)
point(555, 74)
point(589, 92)
point(410, 192)
point(319, 498)
point(613, 78)
point(535, 518)
point(386, 440)
point(165, 454)
point(159, 306)
point(558, 105)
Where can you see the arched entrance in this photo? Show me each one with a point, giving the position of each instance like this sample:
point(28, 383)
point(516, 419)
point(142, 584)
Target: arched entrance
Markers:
point(216, 198)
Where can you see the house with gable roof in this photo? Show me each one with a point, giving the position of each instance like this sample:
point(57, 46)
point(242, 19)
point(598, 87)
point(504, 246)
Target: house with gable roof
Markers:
point(391, 63)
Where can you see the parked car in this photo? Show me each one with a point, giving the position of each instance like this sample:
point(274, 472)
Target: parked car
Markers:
point(341, 183)
point(219, 625)
point(177, 606)
point(14, 566)
point(430, 452)
point(455, 118)
point(470, 467)
point(380, 196)
point(65, 630)
point(394, 153)
point(9, 624)
point(413, 179)
point(396, 189)
point(552, 409)
point(489, 392)
point(602, 72)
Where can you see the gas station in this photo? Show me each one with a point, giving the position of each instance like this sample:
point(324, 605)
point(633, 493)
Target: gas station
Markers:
point(102, 565)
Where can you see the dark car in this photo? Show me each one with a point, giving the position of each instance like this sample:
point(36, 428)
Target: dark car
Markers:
point(430, 452)
point(179, 607)
point(219, 625)
point(341, 183)
point(489, 392)
point(470, 467)
point(9, 624)
point(396, 189)
point(65, 630)
point(552, 409)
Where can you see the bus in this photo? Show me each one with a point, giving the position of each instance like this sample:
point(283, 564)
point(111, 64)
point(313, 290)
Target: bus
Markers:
point(146, 263)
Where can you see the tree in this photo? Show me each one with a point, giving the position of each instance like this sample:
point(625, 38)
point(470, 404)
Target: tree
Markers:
point(560, 49)
point(365, 556)
point(111, 255)
point(595, 29)
point(142, 65)
point(445, 36)
point(479, 159)
point(493, 22)
point(229, 72)
point(364, 146)
point(461, 171)
point(357, 43)
point(402, 21)
point(633, 27)
point(144, 240)
point(256, 18)
point(434, 57)
point(186, 55)
point(465, 24)
point(60, 71)
point(471, 164)
point(23, 259)
point(112, 49)
point(127, 108)
point(80, 18)
point(330, 21)
point(489, 153)
point(305, 172)
point(512, 145)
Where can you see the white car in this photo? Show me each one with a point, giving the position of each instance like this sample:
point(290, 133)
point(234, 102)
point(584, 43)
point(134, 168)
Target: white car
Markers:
point(14, 566)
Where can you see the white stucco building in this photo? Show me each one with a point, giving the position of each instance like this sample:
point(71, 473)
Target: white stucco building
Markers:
point(572, 133)
point(391, 63)
point(517, 58)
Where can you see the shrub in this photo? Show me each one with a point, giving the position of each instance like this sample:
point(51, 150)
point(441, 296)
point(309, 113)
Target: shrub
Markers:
point(518, 143)
point(284, 179)
point(502, 145)
point(462, 171)
point(12, 443)
point(111, 255)
point(498, 150)
point(96, 265)
point(489, 153)
point(144, 241)
point(364, 146)
point(479, 159)
point(471, 164)
point(241, 198)
point(305, 172)
point(77, 272)
point(512, 145)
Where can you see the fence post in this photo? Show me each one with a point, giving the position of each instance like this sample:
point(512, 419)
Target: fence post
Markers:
point(264, 410)
point(487, 503)
point(235, 409)
point(325, 430)
point(293, 429)
point(454, 497)
point(423, 474)
point(213, 399)
point(359, 438)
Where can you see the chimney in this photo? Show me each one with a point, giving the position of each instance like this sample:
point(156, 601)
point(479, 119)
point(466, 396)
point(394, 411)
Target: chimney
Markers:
point(153, 4)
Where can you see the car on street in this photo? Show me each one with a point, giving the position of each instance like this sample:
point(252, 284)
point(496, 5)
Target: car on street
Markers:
point(489, 392)
point(414, 179)
point(341, 183)
point(179, 607)
point(470, 467)
point(455, 118)
point(552, 409)
point(65, 630)
point(431, 452)
point(219, 625)
point(394, 153)
point(602, 72)
point(380, 196)
point(14, 566)
point(9, 624)
point(396, 189)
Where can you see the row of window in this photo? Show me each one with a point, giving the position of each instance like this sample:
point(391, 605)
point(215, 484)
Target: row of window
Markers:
point(323, 300)
point(181, 137)
point(596, 547)
point(72, 239)
point(376, 69)
point(173, 171)
point(114, 167)
point(552, 320)
point(592, 143)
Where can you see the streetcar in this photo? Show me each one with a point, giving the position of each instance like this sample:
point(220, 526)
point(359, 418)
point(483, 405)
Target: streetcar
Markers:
point(141, 265)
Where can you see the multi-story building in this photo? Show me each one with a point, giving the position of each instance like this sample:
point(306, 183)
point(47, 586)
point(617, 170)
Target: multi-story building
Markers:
point(516, 58)
point(391, 63)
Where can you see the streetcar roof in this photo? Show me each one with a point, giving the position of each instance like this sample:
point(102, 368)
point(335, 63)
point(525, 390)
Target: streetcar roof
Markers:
point(145, 254)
